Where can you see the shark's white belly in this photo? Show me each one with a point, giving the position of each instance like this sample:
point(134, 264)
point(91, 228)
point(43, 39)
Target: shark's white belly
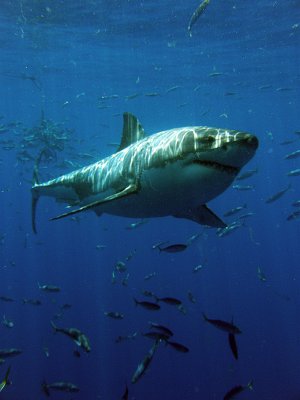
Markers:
point(169, 190)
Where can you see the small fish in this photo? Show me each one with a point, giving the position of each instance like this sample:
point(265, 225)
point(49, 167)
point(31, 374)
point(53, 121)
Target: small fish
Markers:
point(178, 347)
point(7, 299)
point(191, 239)
point(156, 336)
point(170, 300)
point(5, 381)
point(6, 322)
point(264, 87)
point(161, 328)
point(76, 354)
point(244, 216)
point(277, 195)
point(229, 229)
point(294, 215)
point(261, 275)
point(294, 172)
point(234, 211)
point(147, 305)
point(156, 245)
point(5, 353)
point(213, 74)
point(233, 345)
point(120, 266)
point(243, 187)
point(148, 293)
point(197, 268)
point(149, 276)
point(33, 302)
point(191, 297)
point(60, 386)
point(173, 248)
point(120, 338)
point(136, 224)
point(125, 394)
point(286, 142)
point(294, 154)
point(237, 390)
point(49, 288)
point(171, 89)
point(247, 174)
point(125, 280)
point(196, 14)
point(132, 96)
point(143, 366)
point(114, 314)
point(76, 335)
point(152, 94)
point(223, 325)
point(296, 203)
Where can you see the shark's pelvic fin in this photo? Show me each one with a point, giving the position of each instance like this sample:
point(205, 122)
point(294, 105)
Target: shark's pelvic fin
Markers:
point(132, 131)
point(203, 215)
point(130, 189)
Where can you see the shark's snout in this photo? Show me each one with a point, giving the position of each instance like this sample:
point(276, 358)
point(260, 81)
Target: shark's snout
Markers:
point(252, 142)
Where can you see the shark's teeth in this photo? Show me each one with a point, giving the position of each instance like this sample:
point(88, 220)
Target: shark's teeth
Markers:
point(221, 167)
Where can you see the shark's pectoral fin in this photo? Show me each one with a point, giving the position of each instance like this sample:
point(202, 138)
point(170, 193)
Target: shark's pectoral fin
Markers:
point(203, 215)
point(130, 189)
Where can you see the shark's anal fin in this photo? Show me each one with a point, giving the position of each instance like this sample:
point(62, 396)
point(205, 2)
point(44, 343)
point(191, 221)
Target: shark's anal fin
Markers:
point(130, 189)
point(203, 215)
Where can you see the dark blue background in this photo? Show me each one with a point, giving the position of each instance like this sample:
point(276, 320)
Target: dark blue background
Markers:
point(80, 52)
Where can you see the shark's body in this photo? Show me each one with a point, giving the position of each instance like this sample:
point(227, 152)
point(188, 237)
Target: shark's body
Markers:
point(174, 172)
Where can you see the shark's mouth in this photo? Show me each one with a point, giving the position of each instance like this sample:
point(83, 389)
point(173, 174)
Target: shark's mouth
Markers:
point(220, 167)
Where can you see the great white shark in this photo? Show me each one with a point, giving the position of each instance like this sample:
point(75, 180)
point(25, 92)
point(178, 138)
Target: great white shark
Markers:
point(170, 173)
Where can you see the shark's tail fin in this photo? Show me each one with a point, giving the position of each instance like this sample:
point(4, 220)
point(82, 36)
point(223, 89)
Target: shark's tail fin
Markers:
point(35, 194)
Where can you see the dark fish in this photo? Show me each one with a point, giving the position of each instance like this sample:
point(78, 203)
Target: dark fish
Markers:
point(147, 305)
point(294, 172)
point(285, 142)
point(223, 325)
point(261, 275)
point(196, 14)
point(294, 154)
point(33, 302)
point(75, 334)
point(173, 248)
point(5, 353)
point(243, 187)
point(294, 215)
point(61, 386)
point(296, 203)
point(178, 347)
point(277, 195)
point(247, 174)
point(142, 367)
point(233, 345)
point(234, 211)
point(161, 328)
point(114, 314)
point(125, 394)
point(156, 336)
point(49, 288)
point(76, 353)
point(237, 390)
point(7, 299)
point(170, 300)
point(120, 339)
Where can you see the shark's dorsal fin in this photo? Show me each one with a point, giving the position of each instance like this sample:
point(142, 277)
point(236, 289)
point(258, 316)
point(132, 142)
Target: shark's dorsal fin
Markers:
point(132, 131)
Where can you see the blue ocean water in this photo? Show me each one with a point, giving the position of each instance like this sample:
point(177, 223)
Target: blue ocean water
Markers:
point(76, 67)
